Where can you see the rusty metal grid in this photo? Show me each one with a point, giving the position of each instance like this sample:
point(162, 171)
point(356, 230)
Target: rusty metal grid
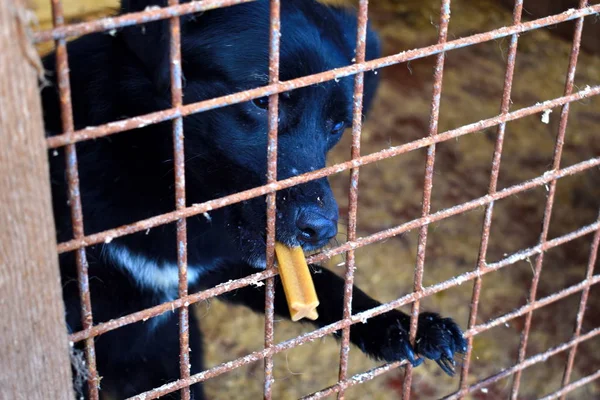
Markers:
point(80, 241)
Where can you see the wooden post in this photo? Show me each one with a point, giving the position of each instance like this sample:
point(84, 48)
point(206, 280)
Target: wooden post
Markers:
point(34, 349)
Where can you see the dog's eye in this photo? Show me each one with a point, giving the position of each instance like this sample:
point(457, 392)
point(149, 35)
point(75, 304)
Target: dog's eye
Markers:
point(262, 102)
point(338, 128)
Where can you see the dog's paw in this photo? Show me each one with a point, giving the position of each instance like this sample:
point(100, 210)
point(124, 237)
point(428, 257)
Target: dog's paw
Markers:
point(438, 339)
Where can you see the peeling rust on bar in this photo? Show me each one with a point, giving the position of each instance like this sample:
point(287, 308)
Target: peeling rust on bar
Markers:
point(438, 77)
point(459, 209)
point(569, 388)
point(528, 363)
point(361, 45)
point(582, 305)
point(74, 199)
point(179, 169)
point(142, 17)
point(354, 380)
point(171, 306)
point(487, 223)
point(582, 286)
point(273, 122)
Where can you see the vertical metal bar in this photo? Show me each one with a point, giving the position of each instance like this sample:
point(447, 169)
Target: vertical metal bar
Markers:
point(66, 114)
point(485, 234)
point(361, 44)
point(273, 119)
point(581, 311)
point(562, 129)
point(427, 185)
point(179, 167)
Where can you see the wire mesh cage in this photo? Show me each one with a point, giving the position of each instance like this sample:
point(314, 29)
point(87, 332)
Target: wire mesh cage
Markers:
point(487, 203)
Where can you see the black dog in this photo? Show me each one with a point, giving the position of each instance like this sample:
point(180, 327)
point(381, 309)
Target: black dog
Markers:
point(129, 176)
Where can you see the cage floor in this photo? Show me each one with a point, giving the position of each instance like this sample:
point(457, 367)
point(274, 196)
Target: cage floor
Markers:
point(390, 194)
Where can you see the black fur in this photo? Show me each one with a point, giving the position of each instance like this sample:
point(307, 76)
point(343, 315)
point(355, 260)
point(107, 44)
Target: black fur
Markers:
point(129, 176)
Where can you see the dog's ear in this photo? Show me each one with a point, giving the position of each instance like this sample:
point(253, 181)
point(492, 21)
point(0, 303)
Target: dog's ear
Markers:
point(149, 42)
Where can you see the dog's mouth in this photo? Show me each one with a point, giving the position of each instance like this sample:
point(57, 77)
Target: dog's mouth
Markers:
point(255, 251)
point(248, 221)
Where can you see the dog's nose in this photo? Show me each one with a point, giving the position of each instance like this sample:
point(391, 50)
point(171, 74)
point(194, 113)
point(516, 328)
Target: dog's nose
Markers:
point(315, 228)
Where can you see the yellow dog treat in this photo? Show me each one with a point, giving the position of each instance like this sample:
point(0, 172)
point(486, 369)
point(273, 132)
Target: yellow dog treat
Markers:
point(297, 282)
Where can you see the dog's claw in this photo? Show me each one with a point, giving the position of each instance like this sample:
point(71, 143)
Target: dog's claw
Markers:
point(410, 355)
point(440, 339)
point(447, 365)
point(448, 354)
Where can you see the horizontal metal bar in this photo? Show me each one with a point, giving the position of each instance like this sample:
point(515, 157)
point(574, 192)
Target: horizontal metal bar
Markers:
point(230, 365)
point(169, 114)
point(149, 15)
point(151, 312)
point(208, 206)
point(538, 358)
point(468, 276)
point(375, 372)
point(354, 380)
point(459, 209)
point(532, 306)
point(575, 385)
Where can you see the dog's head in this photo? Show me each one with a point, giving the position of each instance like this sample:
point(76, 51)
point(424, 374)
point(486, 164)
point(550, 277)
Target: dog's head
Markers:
point(227, 50)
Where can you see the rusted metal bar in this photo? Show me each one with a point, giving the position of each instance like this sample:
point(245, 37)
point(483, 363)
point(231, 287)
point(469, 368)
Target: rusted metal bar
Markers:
point(575, 385)
point(273, 122)
point(144, 315)
point(449, 212)
point(581, 286)
point(562, 130)
point(161, 116)
point(487, 222)
point(468, 276)
point(582, 304)
point(74, 196)
point(538, 358)
point(438, 76)
point(180, 203)
point(230, 365)
point(171, 306)
point(361, 44)
point(283, 184)
point(149, 15)
point(375, 372)
point(354, 380)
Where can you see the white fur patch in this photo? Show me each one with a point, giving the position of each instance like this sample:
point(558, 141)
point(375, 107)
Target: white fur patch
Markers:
point(161, 277)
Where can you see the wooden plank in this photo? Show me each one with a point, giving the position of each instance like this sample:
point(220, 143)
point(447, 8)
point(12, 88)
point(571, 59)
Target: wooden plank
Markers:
point(34, 350)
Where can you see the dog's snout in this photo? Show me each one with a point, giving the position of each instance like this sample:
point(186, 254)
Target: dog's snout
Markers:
point(315, 228)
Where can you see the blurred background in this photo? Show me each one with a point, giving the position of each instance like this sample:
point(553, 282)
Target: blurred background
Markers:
point(391, 191)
